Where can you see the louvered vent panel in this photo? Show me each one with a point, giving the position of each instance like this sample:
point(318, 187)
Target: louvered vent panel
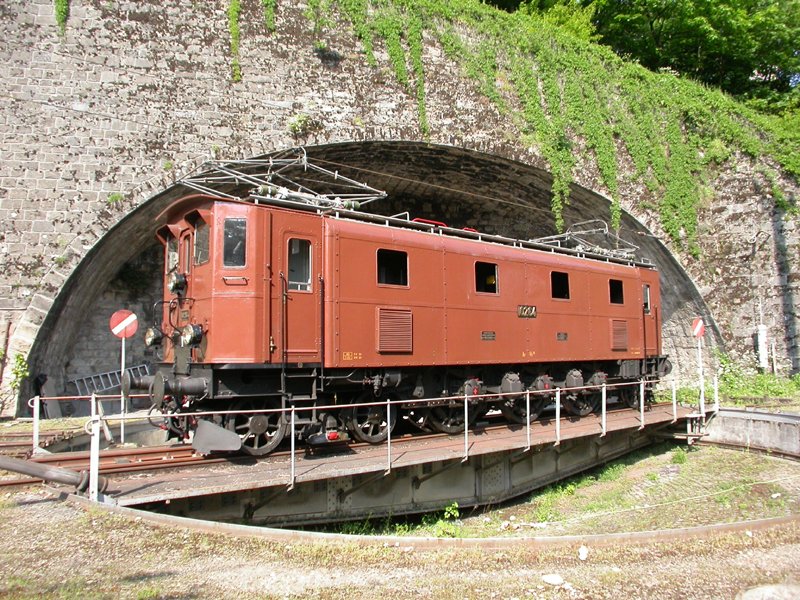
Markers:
point(394, 330)
point(619, 335)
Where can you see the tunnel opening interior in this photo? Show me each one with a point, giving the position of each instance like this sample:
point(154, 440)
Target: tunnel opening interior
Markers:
point(460, 187)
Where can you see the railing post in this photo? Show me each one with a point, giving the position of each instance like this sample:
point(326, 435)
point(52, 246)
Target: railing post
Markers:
point(37, 404)
point(388, 435)
point(291, 441)
point(94, 453)
point(716, 394)
point(466, 429)
point(558, 417)
point(674, 400)
point(641, 404)
point(528, 419)
point(604, 396)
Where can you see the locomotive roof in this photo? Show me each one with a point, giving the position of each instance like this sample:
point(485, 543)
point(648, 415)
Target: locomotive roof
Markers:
point(294, 182)
point(552, 244)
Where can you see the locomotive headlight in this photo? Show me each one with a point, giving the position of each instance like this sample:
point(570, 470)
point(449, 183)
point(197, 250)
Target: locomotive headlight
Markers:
point(153, 336)
point(176, 282)
point(191, 334)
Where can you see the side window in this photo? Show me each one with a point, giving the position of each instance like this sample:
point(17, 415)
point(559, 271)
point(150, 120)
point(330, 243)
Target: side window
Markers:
point(201, 241)
point(392, 267)
point(233, 250)
point(646, 299)
point(615, 292)
point(486, 277)
point(172, 254)
point(559, 285)
point(299, 265)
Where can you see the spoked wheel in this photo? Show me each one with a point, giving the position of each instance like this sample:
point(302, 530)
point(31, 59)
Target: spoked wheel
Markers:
point(629, 395)
point(581, 405)
point(515, 409)
point(450, 419)
point(369, 423)
point(260, 432)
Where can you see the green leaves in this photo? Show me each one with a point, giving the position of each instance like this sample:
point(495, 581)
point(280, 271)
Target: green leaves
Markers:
point(570, 97)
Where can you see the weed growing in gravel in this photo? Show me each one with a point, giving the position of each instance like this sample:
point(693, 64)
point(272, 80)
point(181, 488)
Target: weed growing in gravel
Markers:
point(611, 472)
point(148, 594)
point(679, 456)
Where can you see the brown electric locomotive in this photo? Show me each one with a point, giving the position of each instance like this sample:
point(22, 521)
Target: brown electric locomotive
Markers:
point(270, 305)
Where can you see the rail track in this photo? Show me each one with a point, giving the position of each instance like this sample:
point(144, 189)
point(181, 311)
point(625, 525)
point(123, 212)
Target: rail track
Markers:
point(155, 458)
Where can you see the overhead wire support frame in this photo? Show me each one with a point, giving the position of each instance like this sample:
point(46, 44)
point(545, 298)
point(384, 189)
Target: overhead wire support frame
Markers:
point(295, 183)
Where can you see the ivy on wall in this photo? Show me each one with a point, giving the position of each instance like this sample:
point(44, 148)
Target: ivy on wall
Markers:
point(568, 98)
point(269, 7)
point(234, 10)
point(565, 90)
point(61, 9)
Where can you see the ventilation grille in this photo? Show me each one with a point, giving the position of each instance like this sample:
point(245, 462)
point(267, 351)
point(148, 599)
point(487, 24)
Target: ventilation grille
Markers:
point(619, 335)
point(394, 330)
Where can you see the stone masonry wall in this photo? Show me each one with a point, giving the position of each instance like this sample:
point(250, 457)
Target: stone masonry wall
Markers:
point(136, 94)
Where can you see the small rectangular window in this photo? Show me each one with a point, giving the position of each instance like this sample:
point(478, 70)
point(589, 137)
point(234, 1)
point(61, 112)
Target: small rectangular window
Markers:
point(392, 267)
point(559, 285)
point(201, 240)
point(233, 251)
point(299, 265)
point(486, 277)
point(615, 294)
point(646, 299)
point(187, 253)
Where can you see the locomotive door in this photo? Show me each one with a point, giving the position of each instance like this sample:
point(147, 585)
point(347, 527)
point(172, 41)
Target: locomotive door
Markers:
point(301, 298)
point(651, 316)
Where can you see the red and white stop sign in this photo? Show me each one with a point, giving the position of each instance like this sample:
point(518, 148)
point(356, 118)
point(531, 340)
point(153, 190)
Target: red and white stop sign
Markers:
point(698, 328)
point(123, 324)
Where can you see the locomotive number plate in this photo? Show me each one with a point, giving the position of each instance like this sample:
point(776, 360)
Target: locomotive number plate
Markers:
point(526, 311)
point(352, 356)
point(488, 336)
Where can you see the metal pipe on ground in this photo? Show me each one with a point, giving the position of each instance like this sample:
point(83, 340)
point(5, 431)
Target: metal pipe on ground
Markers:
point(50, 473)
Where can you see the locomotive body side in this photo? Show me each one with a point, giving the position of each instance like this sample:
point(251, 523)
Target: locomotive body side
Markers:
point(450, 301)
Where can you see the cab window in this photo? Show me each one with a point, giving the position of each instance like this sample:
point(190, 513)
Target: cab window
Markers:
point(299, 265)
point(559, 285)
point(392, 267)
point(646, 299)
point(172, 254)
point(234, 246)
point(615, 292)
point(187, 253)
point(201, 242)
point(486, 277)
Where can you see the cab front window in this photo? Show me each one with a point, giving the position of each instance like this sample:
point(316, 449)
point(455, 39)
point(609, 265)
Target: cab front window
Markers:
point(172, 254)
point(201, 243)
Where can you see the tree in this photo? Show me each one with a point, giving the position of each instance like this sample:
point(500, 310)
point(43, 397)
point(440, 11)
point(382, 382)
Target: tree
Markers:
point(745, 47)
point(570, 15)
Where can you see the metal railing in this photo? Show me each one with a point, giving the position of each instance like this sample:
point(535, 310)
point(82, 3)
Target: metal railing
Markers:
point(99, 421)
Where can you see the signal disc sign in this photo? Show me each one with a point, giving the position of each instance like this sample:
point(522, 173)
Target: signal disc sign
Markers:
point(698, 328)
point(123, 324)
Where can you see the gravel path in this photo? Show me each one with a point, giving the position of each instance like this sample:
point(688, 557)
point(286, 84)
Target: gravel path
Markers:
point(54, 549)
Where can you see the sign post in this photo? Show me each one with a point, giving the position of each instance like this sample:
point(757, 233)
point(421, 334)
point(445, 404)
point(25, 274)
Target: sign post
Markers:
point(699, 330)
point(123, 324)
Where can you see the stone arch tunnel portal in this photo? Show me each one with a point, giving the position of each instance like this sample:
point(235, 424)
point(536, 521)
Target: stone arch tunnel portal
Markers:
point(461, 187)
